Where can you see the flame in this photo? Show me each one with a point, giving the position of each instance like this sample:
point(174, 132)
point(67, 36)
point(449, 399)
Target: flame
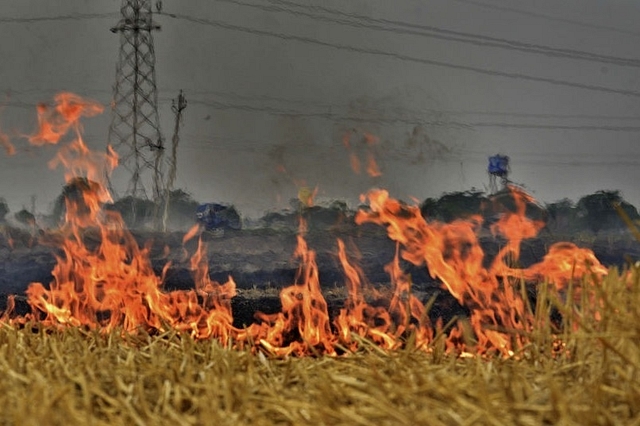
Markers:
point(192, 232)
point(515, 226)
point(452, 254)
point(104, 280)
point(55, 122)
point(304, 311)
point(358, 317)
point(353, 158)
point(6, 144)
point(306, 195)
point(372, 166)
point(369, 141)
point(213, 317)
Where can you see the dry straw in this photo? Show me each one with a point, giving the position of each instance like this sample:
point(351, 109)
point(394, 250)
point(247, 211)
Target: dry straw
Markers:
point(585, 373)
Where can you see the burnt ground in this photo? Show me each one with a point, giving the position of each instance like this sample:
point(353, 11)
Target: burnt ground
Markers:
point(261, 263)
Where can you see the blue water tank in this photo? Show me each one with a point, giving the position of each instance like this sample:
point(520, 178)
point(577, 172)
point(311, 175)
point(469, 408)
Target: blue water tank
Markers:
point(499, 165)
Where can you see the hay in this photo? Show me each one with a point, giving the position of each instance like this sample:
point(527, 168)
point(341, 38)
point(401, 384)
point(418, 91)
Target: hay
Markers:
point(79, 377)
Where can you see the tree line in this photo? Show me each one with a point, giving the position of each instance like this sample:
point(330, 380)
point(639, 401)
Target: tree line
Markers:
point(600, 211)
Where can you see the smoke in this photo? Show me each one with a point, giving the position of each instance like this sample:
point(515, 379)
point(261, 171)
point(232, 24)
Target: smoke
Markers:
point(347, 157)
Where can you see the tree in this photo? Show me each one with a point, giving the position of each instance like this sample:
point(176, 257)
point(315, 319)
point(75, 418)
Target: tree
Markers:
point(563, 215)
point(74, 192)
point(4, 210)
point(429, 208)
point(181, 204)
point(136, 212)
point(454, 205)
point(597, 210)
point(25, 217)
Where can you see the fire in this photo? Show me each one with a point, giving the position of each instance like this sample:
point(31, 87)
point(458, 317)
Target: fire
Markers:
point(104, 280)
point(6, 144)
point(55, 122)
point(369, 141)
point(304, 312)
point(306, 196)
point(452, 254)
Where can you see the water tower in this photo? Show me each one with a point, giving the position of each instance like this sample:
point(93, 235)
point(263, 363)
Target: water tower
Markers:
point(498, 168)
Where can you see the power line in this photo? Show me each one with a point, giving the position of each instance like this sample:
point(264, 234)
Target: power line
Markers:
point(417, 111)
point(306, 102)
point(487, 40)
point(407, 58)
point(549, 17)
point(204, 143)
point(403, 120)
point(382, 119)
point(381, 24)
point(543, 115)
point(568, 163)
point(577, 159)
point(350, 117)
point(544, 154)
point(557, 127)
point(71, 17)
point(11, 102)
point(326, 115)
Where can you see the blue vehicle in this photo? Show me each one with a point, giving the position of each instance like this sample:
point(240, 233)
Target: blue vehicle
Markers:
point(215, 218)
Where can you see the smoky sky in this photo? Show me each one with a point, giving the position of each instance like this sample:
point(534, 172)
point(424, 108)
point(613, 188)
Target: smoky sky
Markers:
point(274, 87)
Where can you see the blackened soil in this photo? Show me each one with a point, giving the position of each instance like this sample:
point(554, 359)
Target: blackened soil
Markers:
point(261, 262)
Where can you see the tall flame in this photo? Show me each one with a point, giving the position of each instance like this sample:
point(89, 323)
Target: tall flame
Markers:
point(452, 254)
point(104, 280)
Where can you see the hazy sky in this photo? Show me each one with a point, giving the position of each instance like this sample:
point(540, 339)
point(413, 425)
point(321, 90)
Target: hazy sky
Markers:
point(276, 84)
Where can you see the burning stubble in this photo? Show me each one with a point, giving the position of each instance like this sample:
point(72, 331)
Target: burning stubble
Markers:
point(111, 286)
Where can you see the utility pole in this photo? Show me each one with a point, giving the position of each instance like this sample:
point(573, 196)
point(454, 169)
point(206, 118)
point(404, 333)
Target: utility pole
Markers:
point(135, 126)
point(177, 107)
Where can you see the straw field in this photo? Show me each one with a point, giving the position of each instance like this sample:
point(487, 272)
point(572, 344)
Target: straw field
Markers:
point(77, 376)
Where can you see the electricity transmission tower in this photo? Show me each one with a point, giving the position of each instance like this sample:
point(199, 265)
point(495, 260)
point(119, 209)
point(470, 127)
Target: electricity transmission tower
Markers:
point(135, 128)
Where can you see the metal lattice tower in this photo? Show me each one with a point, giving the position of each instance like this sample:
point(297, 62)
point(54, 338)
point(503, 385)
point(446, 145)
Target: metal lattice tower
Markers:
point(135, 128)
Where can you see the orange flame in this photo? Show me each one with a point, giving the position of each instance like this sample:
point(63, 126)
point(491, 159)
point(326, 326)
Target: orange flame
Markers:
point(304, 312)
point(353, 158)
point(358, 317)
point(369, 141)
point(372, 166)
point(104, 280)
point(55, 122)
point(307, 196)
point(192, 232)
point(453, 255)
point(110, 283)
point(6, 144)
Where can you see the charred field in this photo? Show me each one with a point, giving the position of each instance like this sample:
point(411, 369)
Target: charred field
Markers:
point(261, 262)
